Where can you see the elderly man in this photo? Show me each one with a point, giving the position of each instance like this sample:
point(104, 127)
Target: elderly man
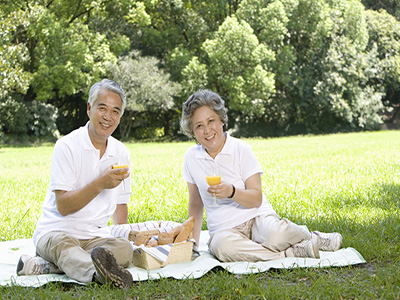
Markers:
point(85, 191)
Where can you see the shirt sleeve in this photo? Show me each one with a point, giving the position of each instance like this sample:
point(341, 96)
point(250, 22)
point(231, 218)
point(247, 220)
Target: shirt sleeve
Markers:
point(249, 163)
point(63, 174)
point(186, 163)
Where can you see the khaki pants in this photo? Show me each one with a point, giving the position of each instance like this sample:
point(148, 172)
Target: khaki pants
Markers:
point(72, 256)
point(265, 237)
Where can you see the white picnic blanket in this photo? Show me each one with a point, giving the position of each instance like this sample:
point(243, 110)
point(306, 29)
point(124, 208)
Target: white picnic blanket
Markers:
point(10, 252)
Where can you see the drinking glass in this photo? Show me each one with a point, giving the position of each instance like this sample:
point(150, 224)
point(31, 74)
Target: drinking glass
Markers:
point(213, 178)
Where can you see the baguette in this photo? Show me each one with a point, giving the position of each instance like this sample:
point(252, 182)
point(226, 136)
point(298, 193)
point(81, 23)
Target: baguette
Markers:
point(186, 230)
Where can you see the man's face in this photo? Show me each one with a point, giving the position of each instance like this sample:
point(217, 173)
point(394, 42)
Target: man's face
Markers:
point(104, 115)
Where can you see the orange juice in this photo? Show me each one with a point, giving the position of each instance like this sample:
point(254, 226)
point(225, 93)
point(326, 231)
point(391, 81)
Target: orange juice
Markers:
point(119, 167)
point(213, 180)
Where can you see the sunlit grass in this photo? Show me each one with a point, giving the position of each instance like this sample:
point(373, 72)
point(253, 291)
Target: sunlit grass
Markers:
point(343, 182)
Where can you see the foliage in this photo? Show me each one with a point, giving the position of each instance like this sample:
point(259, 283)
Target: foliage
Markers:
point(390, 6)
point(13, 55)
point(238, 67)
point(283, 66)
point(148, 90)
point(32, 118)
point(13, 116)
point(384, 33)
point(323, 73)
point(58, 56)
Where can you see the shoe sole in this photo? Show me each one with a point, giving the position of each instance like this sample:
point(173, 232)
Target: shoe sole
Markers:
point(20, 266)
point(106, 265)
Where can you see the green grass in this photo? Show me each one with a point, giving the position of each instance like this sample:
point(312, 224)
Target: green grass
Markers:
point(343, 182)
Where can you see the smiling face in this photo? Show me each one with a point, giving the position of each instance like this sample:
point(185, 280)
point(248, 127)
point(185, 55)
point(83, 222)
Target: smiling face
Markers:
point(208, 130)
point(104, 116)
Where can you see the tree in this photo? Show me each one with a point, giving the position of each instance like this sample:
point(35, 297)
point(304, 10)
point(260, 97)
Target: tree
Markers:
point(384, 34)
point(322, 66)
point(237, 67)
point(149, 94)
point(52, 56)
point(391, 6)
point(14, 55)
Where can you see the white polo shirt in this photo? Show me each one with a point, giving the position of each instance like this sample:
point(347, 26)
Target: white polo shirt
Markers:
point(75, 163)
point(236, 163)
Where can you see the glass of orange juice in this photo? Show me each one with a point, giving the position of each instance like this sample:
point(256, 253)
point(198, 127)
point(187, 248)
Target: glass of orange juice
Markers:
point(213, 178)
point(119, 167)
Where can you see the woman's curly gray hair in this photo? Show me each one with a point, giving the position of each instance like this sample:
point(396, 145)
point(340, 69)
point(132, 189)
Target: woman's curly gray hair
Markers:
point(197, 100)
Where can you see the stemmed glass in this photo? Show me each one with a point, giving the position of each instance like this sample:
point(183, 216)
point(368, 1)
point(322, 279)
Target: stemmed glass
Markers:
point(118, 166)
point(213, 178)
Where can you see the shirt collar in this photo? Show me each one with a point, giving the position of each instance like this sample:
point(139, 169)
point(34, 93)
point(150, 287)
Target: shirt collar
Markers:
point(226, 150)
point(87, 143)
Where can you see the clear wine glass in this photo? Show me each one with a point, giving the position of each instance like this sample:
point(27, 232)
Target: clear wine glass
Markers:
point(213, 177)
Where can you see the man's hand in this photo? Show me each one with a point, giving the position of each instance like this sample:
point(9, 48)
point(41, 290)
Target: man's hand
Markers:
point(111, 178)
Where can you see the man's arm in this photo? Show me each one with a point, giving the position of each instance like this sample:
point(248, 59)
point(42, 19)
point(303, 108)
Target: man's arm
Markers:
point(69, 202)
point(120, 215)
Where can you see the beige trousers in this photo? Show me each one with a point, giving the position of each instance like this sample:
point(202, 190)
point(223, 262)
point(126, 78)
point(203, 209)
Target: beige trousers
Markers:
point(265, 237)
point(72, 256)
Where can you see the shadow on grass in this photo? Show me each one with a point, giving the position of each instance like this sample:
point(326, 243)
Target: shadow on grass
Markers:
point(369, 222)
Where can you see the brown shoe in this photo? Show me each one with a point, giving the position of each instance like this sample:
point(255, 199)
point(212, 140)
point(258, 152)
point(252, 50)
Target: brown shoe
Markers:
point(108, 270)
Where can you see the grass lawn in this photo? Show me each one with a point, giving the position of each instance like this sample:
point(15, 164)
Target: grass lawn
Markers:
point(348, 183)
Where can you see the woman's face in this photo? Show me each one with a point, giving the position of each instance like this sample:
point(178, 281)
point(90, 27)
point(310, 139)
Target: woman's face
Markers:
point(208, 130)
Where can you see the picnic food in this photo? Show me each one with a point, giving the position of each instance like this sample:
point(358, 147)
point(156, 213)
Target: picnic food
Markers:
point(178, 234)
point(119, 167)
point(184, 230)
point(142, 239)
point(165, 238)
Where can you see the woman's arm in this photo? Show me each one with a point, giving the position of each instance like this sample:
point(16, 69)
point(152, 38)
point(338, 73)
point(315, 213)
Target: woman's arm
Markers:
point(249, 197)
point(196, 209)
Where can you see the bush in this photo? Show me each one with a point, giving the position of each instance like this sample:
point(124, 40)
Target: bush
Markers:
point(19, 118)
point(42, 119)
point(13, 116)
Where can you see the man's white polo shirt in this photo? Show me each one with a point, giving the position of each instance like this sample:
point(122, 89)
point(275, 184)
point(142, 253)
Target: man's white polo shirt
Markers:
point(75, 163)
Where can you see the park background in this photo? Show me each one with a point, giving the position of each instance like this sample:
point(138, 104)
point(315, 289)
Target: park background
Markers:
point(289, 67)
point(284, 67)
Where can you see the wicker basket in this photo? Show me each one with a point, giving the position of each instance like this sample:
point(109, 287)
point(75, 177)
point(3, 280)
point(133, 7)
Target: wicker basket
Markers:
point(179, 252)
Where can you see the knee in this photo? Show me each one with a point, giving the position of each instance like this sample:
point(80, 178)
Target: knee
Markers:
point(220, 246)
point(126, 248)
point(55, 245)
point(279, 234)
point(123, 253)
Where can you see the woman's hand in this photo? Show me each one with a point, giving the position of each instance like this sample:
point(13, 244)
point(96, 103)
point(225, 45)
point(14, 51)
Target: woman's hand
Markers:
point(220, 191)
point(249, 197)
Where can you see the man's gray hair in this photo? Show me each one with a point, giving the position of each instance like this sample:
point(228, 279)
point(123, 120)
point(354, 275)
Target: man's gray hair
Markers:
point(197, 100)
point(106, 84)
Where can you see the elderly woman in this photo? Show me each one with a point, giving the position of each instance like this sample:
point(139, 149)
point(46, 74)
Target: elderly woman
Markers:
point(243, 226)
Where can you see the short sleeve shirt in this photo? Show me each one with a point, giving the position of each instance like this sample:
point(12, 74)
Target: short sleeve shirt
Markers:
point(236, 163)
point(75, 163)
